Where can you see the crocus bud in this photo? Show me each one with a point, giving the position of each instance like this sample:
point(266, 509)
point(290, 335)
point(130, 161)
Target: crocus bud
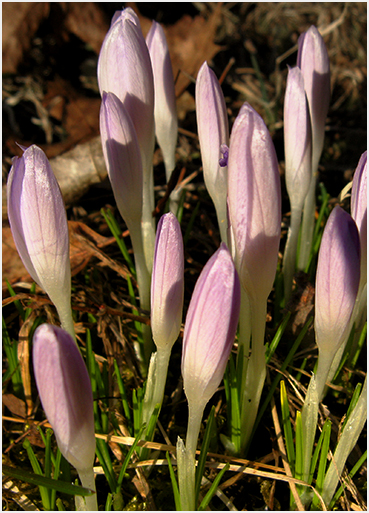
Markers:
point(65, 391)
point(165, 111)
point(313, 60)
point(122, 157)
point(297, 139)
point(39, 226)
point(297, 148)
point(167, 282)
point(359, 209)
point(210, 327)
point(213, 131)
point(336, 288)
point(254, 201)
point(124, 68)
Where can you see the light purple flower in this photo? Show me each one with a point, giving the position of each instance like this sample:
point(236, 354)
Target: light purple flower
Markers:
point(313, 60)
point(65, 392)
point(122, 157)
point(210, 327)
point(297, 139)
point(39, 226)
point(359, 209)
point(165, 110)
point(167, 282)
point(213, 131)
point(124, 68)
point(337, 280)
point(254, 202)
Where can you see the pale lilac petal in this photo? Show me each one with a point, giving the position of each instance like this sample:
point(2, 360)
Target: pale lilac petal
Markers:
point(337, 279)
point(165, 109)
point(39, 225)
point(359, 210)
point(167, 282)
point(313, 60)
point(122, 157)
point(65, 391)
point(254, 202)
point(213, 131)
point(210, 327)
point(297, 139)
point(124, 68)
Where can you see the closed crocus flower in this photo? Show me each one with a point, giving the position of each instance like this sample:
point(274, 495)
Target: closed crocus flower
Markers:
point(123, 162)
point(254, 201)
point(65, 391)
point(210, 328)
point(165, 111)
point(297, 139)
point(313, 60)
point(359, 209)
point(124, 68)
point(122, 157)
point(297, 147)
point(167, 282)
point(167, 289)
point(336, 287)
point(39, 226)
point(213, 131)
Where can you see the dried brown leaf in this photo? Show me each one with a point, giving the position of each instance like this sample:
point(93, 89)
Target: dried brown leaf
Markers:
point(20, 22)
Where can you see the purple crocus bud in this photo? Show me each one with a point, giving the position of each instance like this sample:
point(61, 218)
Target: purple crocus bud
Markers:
point(336, 287)
point(210, 328)
point(213, 131)
point(124, 68)
point(254, 202)
point(39, 226)
point(359, 209)
point(313, 60)
point(122, 157)
point(65, 391)
point(165, 110)
point(167, 282)
point(297, 139)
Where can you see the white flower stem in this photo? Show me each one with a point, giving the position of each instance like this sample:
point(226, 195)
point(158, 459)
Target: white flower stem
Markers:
point(88, 503)
point(66, 318)
point(155, 386)
point(186, 457)
point(143, 281)
point(289, 259)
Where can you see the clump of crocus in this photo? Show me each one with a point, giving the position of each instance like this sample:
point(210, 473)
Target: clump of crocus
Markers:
point(297, 149)
point(124, 68)
point(213, 131)
point(313, 60)
point(167, 289)
point(39, 226)
point(254, 202)
point(123, 162)
point(65, 391)
point(165, 110)
point(336, 287)
point(209, 333)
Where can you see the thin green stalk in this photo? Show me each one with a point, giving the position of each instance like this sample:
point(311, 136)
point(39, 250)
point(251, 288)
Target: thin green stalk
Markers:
point(256, 373)
point(157, 377)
